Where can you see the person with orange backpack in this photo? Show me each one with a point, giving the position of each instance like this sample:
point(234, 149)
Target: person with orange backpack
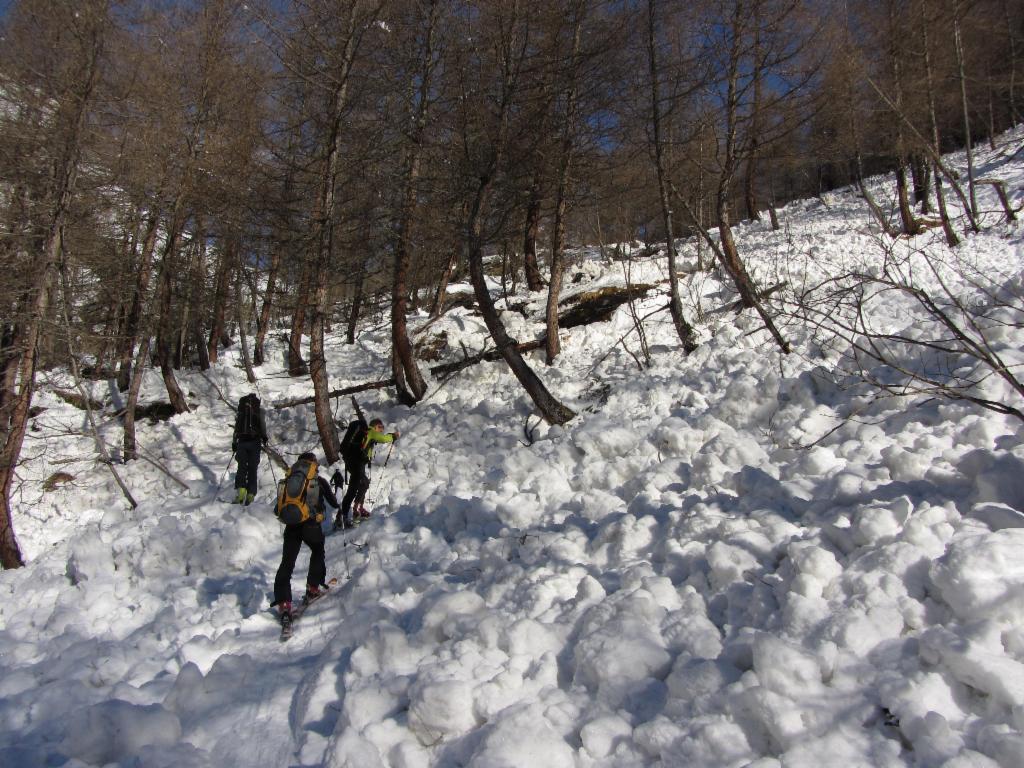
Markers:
point(301, 497)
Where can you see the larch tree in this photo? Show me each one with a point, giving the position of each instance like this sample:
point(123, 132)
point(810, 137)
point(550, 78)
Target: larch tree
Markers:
point(494, 51)
point(419, 34)
point(63, 89)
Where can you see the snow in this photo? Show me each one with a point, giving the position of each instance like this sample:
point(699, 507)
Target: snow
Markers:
point(735, 558)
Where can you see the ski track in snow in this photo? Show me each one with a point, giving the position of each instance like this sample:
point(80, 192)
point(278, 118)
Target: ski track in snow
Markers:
point(665, 581)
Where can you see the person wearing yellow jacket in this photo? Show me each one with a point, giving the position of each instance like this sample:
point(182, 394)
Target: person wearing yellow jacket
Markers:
point(357, 465)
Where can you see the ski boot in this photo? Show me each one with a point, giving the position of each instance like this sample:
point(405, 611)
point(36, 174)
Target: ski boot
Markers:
point(313, 592)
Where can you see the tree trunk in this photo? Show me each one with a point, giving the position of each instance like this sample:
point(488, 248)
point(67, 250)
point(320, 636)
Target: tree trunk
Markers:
point(1014, 115)
point(164, 334)
point(534, 281)
point(442, 284)
point(250, 375)
point(958, 48)
point(409, 381)
point(728, 253)
point(687, 335)
point(268, 302)
point(753, 143)
point(911, 226)
point(225, 272)
point(749, 196)
point(876, 211)
point(908, 223)
point(920, 172)
point(131, 328)
point(10, 343)
point(324, 214)
point(130, 448)
point(551, 409)
point(71, 115)
point(355, 310)
point(296, 365)
point(554, 344)
point(947, 226)
point(197, 300)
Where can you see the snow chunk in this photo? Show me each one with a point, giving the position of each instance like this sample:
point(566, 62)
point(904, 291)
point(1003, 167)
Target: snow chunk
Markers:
point(997, 516)
point(452, 614)
point(621, 649)
point(729, 563)
point(694, 679)
point(115, 731)
point(983, 576)
point(440, 709)
point(977, 661)
point(1003, 745)
point(607, 438)
point(523, 737)
point(814, 564)
point(600, 735)
point(677, 438)
point(874, 525)
point(785, 668)
point(90, 558)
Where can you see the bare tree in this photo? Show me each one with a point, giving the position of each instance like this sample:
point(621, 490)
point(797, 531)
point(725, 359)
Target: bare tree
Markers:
point(496, 50)
point(687, 335)
point(420, 94)
point(70, 86)
point(769, 37)
point(954, 349)
point(576, 17)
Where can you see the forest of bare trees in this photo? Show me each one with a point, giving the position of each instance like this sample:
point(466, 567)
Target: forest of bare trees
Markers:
point(180, 177)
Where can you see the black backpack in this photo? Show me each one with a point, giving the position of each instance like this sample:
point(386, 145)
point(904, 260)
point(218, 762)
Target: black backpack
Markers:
point(247, 422)
point(352, 443)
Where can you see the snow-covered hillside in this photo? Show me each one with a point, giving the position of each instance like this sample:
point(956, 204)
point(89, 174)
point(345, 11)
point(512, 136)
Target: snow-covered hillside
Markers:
point(734, 558)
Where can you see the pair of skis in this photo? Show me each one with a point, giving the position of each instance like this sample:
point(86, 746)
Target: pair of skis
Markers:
point(289, 628)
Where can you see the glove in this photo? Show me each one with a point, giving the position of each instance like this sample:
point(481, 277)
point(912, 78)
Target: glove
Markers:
point(395, 436)
point(234, 446)
point(265, 441)
point(337, 480)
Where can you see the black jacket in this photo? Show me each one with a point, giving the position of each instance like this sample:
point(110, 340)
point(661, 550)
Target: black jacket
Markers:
point(326, 494)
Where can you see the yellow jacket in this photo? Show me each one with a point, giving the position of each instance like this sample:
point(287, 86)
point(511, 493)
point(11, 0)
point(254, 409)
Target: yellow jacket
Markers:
point(372, 438)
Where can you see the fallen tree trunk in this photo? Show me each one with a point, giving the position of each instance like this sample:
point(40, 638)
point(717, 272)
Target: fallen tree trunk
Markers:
point(736, 306)
point(445, 369)
point(603, 304)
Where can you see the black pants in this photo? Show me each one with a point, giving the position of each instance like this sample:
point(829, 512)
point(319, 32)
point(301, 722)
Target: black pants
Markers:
point(358, 484)
point(248, 456)
point(312, 534)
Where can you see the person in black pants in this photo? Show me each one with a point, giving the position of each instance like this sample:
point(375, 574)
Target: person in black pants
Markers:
point(357, 465)
point(312, 535)
point(247, 442)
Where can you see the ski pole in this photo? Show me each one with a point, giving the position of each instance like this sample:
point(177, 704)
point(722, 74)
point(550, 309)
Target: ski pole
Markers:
point(270, 459)
point(380, 479)
point(225, 475)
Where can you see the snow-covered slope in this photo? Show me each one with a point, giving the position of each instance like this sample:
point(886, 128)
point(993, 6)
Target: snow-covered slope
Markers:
point(728, 559)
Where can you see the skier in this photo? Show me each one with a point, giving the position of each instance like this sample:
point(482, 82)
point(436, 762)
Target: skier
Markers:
point(357, 451)
point(308, 532)
point(249, 437)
